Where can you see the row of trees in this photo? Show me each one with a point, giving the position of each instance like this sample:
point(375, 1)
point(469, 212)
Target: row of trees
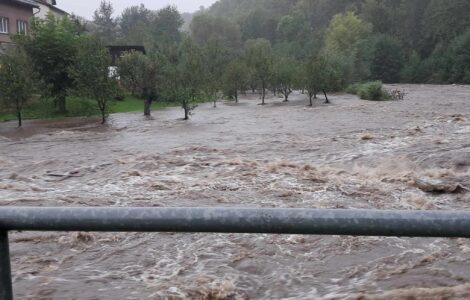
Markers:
point(56, 61)
point(59, 59)
point(413, 41)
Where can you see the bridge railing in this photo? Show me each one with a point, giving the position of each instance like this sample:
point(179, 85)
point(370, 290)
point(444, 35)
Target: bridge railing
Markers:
point(351, 222)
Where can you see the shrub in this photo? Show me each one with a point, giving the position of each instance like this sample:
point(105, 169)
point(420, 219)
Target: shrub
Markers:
point(369, 91)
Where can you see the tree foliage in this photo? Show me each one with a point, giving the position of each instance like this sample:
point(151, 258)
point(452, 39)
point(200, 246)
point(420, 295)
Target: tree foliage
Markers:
point(52, 47)
point(91, 74)
point(18, 81)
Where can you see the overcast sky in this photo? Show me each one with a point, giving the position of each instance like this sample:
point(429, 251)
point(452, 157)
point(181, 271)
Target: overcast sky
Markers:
point(85, 8)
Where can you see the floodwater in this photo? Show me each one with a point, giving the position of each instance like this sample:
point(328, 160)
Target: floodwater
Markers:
point(350, 154)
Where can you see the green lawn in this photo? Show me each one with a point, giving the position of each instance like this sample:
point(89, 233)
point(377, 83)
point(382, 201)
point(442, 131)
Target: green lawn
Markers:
point(76, 107)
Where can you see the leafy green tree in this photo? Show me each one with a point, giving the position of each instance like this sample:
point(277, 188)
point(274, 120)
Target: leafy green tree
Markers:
point(131, 69)
point(52, 46)
point(236, 78)
point(285, 75)
point(105, 24)
point(387, 59)
point(344, 42)
point(321, 75)
point(91, 74)
point(18, 81)
point(188, 75)
point(166, 25)
point(259, 56)
point(216, 59)
point(135, 23)
point(152, 81)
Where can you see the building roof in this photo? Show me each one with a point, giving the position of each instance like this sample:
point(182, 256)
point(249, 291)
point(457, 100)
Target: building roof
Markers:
point(52, 6)
point(27, 2)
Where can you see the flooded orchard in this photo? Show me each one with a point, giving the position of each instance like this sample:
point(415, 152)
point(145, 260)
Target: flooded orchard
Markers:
point(411, 154)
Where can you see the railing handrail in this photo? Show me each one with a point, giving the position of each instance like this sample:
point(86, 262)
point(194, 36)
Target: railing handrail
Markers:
point(356, 222)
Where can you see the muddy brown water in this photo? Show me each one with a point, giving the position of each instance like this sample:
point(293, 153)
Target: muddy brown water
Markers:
point(350, 154)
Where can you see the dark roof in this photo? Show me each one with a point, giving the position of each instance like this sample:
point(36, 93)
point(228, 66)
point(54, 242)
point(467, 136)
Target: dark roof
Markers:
point(27, 2)
point(126, 48)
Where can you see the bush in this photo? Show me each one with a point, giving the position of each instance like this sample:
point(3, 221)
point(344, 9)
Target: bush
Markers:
point(369, 91)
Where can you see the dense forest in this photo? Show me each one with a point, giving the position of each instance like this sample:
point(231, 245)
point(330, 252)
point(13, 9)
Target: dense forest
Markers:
point(415, 41)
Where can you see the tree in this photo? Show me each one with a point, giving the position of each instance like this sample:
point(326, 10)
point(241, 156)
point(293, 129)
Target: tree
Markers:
point(236, 78)
point(166, 25)
point(105, 24)
point(320, 76)
point(152, 81)
point(387, 59)
point(131, 69)
point(259, 56)
point(92, 78)
point(134, 24)
point(189, 76)
point(345, 42)
point(18, 80)
point(52, 47)
point(285, 75)
point(216, 58)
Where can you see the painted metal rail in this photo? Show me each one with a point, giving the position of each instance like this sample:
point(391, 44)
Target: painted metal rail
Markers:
point(445, 224)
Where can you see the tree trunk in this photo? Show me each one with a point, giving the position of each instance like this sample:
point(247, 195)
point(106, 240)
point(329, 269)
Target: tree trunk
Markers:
point(263, 96)
point(286, 96)
point(186, 112)
point(326, 97)
point(20, 120)
point(236, 96)
point(147, 106)
point(215, 103)
point(310, 98)
point(61, 105)
point(103, 117)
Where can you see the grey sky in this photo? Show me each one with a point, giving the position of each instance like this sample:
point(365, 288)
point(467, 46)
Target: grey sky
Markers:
point(85, 8)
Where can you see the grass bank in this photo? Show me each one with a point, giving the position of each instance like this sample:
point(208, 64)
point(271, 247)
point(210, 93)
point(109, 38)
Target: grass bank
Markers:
point(78, 107)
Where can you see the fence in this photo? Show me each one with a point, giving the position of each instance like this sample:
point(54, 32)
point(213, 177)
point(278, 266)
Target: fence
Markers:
point(226, 220)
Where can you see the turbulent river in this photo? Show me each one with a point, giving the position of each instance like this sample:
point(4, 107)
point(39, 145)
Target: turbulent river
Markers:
point(350, 154)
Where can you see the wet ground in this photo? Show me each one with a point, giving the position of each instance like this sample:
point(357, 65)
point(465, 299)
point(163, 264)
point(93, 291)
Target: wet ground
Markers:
point(350, 154)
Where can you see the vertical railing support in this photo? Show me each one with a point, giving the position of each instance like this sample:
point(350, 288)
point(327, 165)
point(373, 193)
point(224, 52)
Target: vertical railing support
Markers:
point(6, 290)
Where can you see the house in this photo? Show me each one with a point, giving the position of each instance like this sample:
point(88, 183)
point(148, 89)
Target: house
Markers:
point(14, 19)
point(46, 7)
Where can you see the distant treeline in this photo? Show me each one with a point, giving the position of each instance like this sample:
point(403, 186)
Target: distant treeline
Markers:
point(414, 41)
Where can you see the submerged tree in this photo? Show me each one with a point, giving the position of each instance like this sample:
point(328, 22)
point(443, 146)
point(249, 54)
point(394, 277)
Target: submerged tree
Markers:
point(189, 75)
point(259, 56)
point(320, 76)
point(285, 76)
point(18, 81)
point(236, 78)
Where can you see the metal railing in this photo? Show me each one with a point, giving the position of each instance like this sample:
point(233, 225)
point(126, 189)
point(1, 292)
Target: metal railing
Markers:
point(226, 220)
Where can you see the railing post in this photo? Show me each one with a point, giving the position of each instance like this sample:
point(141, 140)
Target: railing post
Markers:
point(6, 290)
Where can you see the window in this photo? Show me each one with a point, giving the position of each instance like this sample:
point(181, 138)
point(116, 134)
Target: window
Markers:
point(22, 27)
point(4, 25)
